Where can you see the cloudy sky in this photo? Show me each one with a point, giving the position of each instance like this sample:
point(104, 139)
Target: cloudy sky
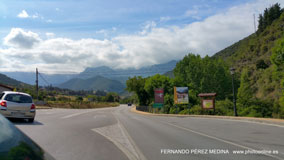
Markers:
point(67, 36)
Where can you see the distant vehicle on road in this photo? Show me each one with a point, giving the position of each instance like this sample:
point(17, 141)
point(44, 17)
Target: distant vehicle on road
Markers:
point(15, 145)
point(17, 105)
point(129, 104)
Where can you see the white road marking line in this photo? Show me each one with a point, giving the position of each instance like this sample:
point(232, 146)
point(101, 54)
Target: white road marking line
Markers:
point(140, 154)
point(120, 141)
point(119, 136)
point(75, 114)
point(88, 111)
point(218, 139)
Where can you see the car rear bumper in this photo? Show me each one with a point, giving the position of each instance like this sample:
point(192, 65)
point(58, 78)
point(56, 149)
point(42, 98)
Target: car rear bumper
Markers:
point(17, 114)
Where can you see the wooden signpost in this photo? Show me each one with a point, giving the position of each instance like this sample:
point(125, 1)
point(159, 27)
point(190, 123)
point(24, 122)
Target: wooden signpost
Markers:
point(208, 100)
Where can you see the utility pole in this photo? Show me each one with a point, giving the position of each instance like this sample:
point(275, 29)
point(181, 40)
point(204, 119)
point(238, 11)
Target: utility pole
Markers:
point(37, 83)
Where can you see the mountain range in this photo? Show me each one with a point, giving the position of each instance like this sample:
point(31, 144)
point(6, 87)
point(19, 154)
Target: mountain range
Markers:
point(92, 78)
point(95, 83)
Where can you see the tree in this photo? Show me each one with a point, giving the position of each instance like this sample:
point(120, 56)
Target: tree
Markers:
point(260, 23)
point(136, 85)
point(266, 18)
point(158, 81)
point(109, 98)
point(269, 15)
point(245, 92)
point(112, 97)
point(203, 75)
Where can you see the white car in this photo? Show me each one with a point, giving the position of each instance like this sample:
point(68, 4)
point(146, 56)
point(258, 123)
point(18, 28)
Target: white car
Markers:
point(17, 105)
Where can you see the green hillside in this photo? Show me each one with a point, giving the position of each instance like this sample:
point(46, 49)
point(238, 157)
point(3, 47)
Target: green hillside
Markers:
point(253, 53)
point(12, 82)
point(95, 83)
point(259, 60)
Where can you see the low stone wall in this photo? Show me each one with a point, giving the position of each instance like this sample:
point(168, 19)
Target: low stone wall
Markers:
point(143, 108)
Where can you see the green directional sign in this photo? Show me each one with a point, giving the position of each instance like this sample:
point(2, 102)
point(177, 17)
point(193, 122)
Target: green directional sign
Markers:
point(157, 105)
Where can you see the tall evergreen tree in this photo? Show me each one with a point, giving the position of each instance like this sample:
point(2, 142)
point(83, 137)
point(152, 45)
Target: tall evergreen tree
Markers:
point(260, 23)
point(245, 92)
point(265, 18)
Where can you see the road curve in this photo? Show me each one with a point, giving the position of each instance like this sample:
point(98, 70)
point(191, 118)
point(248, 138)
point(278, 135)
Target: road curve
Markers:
point(117, 133)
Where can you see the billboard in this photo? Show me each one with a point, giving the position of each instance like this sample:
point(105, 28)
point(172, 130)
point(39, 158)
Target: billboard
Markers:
point(208, 103)
point(159, 97)
point(181, 95)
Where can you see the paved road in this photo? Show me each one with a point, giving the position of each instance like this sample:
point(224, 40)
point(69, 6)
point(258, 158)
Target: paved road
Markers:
point(117, 133)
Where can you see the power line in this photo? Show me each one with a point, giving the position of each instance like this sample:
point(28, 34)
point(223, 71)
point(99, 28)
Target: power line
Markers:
point(44, 79)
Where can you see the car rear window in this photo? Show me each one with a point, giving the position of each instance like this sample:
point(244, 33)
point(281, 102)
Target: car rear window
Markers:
point(18, 98)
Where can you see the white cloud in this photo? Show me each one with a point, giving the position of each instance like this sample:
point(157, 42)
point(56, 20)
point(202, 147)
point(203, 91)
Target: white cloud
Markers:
point(18, 38)
point(148, 26)
point(49, 35)
point(35, 16)
point(23, 14)
point(152, 45)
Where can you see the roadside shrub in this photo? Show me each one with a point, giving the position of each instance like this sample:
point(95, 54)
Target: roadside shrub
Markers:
point(257, 108)
point(225, 107)
point(196, 109)
point(173, 110)
point(185, 111)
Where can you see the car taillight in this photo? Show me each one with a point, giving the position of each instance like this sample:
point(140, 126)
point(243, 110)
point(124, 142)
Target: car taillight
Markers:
point(3, 103)
point(33, 106)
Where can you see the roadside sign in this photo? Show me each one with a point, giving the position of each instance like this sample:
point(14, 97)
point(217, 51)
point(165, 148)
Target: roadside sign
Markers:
point(159, 98)
point(208, 100)
point(207, 103)
point(159, 95)
point(157, 105)
point(181, 95)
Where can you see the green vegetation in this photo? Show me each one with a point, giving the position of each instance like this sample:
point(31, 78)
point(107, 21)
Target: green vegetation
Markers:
point(65, 98)
point(259, 78)
point(81, 105)
point(199, 74)
point(83, 101)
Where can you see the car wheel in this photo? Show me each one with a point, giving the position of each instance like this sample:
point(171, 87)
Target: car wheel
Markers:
point(31, 120)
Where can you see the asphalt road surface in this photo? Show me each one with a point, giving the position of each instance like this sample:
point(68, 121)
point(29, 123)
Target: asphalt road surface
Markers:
point(118, 134)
